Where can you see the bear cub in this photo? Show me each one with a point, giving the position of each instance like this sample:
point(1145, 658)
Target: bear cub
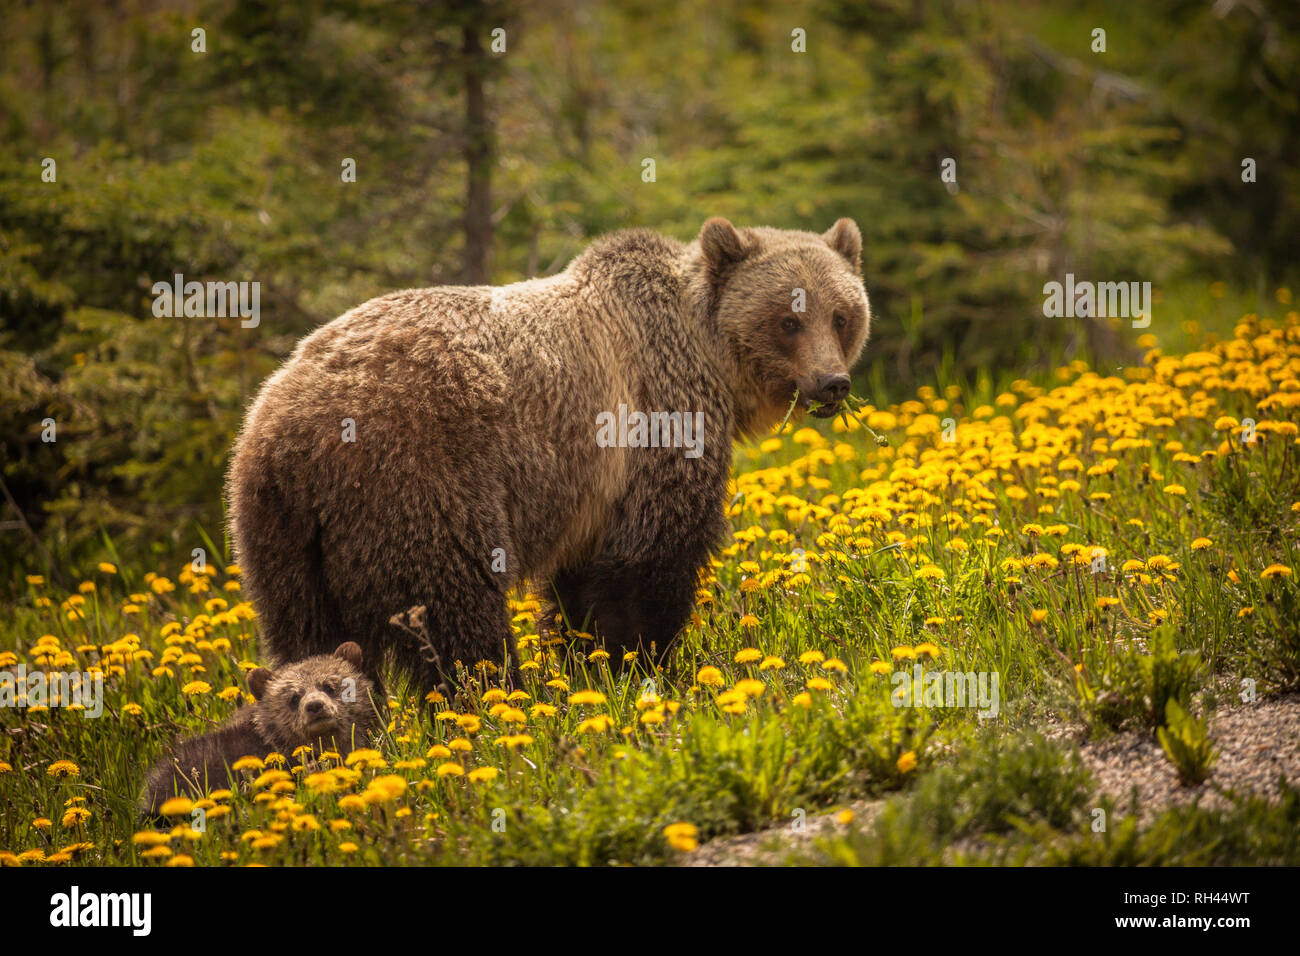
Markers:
point(324, 702)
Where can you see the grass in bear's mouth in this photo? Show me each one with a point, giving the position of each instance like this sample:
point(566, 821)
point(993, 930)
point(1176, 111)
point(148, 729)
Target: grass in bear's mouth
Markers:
point(850, 404)
point(794, 403)
point(964, 550)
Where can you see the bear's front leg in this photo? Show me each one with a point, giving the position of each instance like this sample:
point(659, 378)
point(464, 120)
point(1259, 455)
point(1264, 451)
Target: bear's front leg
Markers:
point(631, 606)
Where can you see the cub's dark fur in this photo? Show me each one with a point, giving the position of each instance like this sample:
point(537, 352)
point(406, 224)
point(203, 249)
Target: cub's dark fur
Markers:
point(322, 701)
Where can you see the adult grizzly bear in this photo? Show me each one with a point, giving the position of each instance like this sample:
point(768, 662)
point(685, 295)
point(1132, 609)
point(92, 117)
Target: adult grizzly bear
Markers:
point(435, 446)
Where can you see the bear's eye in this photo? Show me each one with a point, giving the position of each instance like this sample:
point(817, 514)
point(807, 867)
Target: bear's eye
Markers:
point(790, 324)
point(328, 688)
point(840, 321)
point(295, 700)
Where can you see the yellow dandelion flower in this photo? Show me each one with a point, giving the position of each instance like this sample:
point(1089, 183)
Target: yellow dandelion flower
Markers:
point(176, 807)
point(75, 816)
point(709, 677)
point(270, 778)
point(682, 836)
point(512, 715)
point(389, 787)
point(595, 725)
point(364, 757)
point(469, 723)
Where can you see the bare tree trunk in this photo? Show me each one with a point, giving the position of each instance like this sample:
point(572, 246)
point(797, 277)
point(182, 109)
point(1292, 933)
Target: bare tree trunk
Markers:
point(478, 159)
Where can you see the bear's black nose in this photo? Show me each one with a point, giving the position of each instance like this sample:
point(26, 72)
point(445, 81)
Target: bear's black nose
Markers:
point(833, 388)
point(315, 706)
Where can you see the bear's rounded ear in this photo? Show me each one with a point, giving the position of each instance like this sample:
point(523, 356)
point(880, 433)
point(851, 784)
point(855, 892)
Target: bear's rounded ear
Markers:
point(722, 245)
point(350, 652)
point(846, 239)
point(258, 678)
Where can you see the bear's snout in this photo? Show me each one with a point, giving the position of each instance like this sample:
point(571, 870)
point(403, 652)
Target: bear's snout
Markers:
point(317, 707)
point(832, 388)
point(828, 392)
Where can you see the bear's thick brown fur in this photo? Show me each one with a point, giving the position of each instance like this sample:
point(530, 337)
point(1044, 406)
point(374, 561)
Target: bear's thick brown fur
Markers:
point(325, 701)
point(474, 462)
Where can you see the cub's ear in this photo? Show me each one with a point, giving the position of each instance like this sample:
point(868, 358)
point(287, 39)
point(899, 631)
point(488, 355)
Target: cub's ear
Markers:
point(722, 245)
point(350, 652)
point(258, 678)
point(846, 239)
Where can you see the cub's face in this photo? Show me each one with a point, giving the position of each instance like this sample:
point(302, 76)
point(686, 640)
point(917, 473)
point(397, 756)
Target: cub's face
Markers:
point(794, 309)
point(317, 700)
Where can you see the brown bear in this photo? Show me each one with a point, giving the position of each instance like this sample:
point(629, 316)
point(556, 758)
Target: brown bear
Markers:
point(326, 702)
point(436, 446)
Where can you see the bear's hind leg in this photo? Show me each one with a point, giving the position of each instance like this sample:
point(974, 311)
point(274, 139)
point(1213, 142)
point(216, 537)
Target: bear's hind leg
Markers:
point(280, 557)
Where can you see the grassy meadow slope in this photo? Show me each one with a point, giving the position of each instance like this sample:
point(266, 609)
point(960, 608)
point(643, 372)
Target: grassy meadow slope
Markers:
point(1117, 550)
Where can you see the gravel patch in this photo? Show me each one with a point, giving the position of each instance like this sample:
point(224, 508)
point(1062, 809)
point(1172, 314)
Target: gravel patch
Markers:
point(1258, 744)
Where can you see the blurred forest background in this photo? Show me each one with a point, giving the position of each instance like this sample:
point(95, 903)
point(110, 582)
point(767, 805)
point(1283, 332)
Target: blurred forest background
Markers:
point(476, 165)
